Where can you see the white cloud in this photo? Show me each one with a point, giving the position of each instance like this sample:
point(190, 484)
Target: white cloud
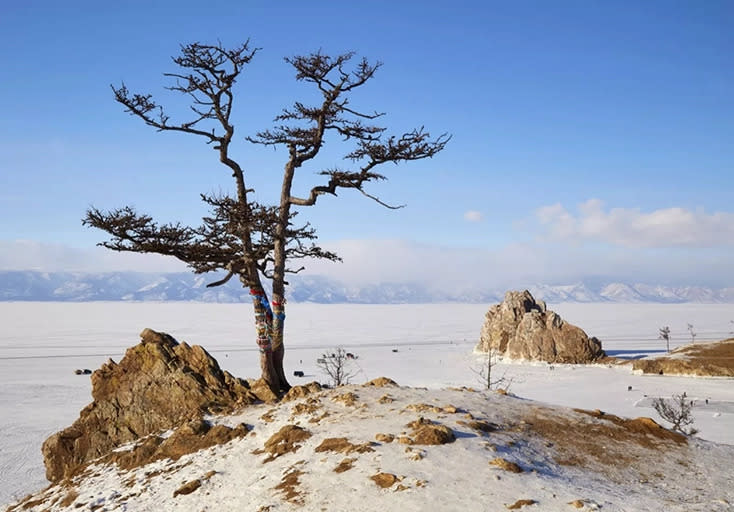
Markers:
point(630, 227)
point(375, 261)
point(520, 264)
point(473, 216)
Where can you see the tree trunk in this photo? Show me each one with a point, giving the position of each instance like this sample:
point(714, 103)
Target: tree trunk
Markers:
point(278, 325)
point(263, 326)
point(279, 257)
point(267, 371)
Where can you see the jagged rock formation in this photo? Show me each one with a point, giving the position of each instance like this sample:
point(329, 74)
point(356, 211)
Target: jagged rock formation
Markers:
point(521, 328)
point(159, 384)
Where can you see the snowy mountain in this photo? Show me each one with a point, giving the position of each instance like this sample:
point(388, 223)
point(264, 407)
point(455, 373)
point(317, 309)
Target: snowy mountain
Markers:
point(132, 286)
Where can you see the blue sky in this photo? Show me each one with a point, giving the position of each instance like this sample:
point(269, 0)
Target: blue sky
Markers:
point(590, 139)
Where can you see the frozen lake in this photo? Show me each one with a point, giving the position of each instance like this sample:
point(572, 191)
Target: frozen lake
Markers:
point(41, 344)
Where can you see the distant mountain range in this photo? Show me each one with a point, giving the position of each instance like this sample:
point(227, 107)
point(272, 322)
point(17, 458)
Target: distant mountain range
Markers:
point(133, 286)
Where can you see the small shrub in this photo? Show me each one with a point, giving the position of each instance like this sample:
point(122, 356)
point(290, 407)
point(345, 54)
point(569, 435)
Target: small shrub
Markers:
point(337, 366)
point(677, 411)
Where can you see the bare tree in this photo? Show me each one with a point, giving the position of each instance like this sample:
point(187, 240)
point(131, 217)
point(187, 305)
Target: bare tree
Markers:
point(678, 412)
point(692, 333)
point(665, 335)
point(241, 236)
point(337, 366)
point(303, 130)
point(486, 376)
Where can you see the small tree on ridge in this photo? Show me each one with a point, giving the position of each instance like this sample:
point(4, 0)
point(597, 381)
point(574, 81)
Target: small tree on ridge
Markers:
point(692, 333)
point(665, 335)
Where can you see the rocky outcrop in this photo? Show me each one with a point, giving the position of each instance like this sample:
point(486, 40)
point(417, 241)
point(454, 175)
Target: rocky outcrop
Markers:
point(522, 328)
point(700, 359)
point(159, 384)
point(188, 438)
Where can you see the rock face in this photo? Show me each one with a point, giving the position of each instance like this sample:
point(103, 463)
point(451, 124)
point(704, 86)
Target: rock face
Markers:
point(521, 328)
point(158, 384)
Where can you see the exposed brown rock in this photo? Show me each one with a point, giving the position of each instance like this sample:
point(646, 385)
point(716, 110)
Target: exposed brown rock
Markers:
point(284, 441)
point(260, 389)
point(521, 328)
point(342, 445)
point(189, 438)
point(702, 359)
point(384, 480)
point(385, 438)
point(419, 423)
point(415, 454)
point(158, 384)
point(480, 426)
point(381, 382)
point(289, 487)
point(347, 398)
point(520, 503)
point(317, 419)
point(297, 392)
point(344, 465)
point(506, 465)
point(69, 498)
point(310, 406)
point(187, 488)
point(427, 433)
point(268, 416)
point(423, 408)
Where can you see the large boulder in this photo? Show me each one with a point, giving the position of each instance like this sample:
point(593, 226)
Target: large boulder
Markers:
point(159, 384)
point(522, 328)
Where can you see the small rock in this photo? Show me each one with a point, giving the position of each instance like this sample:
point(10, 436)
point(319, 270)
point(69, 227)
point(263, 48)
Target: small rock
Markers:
point(506, 465)
point(520, 503)
point(385, 438)
point(187, 488)
point(384, 480)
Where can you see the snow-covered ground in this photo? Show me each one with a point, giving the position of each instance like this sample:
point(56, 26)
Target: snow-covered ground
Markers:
point(41, 344)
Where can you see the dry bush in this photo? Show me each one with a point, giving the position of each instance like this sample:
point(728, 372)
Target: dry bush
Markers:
point(489, 380)
point(677, 411)
point(337, 366)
